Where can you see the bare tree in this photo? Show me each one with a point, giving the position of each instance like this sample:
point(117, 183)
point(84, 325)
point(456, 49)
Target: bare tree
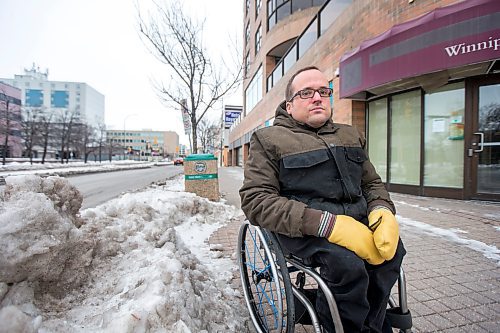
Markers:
point(209, 134)
point(45, 127)
point(29, 126)
point(175, 39)
point(101, 137)
point(65, 120)
point(87, 140)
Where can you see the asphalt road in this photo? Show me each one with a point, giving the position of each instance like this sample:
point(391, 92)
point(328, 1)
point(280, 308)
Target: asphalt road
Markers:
point(98, 188)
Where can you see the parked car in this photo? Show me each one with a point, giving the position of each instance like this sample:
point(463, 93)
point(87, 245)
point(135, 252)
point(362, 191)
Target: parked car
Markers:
point(179, 161)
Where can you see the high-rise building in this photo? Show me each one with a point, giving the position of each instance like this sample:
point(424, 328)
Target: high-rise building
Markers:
point(75, 99)
point(421, 79)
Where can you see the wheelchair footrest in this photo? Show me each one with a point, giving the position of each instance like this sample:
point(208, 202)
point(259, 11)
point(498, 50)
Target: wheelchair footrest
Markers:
point(397, 319)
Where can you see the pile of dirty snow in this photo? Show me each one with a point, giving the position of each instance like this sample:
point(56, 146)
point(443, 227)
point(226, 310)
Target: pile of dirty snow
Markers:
point(139, 263)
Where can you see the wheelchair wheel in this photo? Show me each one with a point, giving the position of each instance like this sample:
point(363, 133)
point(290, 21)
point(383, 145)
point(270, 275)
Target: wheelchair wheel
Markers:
point(265, 282)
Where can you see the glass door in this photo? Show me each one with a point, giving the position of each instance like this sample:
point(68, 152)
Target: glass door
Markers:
point(485, 143)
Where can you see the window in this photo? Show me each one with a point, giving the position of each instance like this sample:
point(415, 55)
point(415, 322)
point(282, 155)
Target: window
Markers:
point(247, 63)
point(253, 94)
point(34, 98)
point(247, 34)
point(59, 99)
point(258, 5)
point(258, 39)
point(444, 136)
point(308, 37)
point(405, 138)
point(330, 13)
point(377, 136)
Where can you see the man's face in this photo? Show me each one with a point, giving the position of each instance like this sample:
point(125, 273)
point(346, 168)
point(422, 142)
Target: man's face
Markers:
point(314, 111)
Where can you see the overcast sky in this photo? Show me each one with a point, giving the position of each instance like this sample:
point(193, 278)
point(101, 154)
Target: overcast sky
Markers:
point(96, 42)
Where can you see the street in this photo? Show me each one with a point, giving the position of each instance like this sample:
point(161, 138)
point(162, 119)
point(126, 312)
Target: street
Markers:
point(98, 188)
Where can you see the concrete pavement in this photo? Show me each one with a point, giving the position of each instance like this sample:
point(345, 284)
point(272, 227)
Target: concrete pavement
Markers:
point(453, 262)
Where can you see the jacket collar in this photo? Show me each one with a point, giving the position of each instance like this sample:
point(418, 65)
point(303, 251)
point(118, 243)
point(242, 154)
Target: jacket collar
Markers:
point(283, 118)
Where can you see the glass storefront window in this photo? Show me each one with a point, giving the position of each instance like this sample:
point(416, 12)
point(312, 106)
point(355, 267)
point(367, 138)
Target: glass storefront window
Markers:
point(377, 136)
point(488, 172)
point(444, 136)
point(405, 138)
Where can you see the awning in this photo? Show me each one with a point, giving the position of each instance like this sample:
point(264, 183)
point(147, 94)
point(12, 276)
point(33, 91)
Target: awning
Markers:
point(461, 38)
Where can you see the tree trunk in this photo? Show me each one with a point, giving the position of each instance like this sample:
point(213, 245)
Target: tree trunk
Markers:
point(45, 147)
point(62, 151)
point(194, 133)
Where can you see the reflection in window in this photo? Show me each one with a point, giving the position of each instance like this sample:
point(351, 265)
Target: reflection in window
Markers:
point(488, 180)
point(377, 136)
point(405, 138)
point(444, 136)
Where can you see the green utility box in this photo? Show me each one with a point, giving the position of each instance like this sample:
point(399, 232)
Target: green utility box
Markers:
point(200, 176)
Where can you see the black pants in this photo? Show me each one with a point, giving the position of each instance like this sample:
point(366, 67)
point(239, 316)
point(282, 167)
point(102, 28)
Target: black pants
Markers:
point(361, 290)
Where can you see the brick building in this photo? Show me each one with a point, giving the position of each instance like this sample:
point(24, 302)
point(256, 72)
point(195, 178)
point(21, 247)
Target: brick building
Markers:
point(421, 79)
point(10, 121)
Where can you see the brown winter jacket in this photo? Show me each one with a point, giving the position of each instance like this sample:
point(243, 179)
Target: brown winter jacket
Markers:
point(294, 172)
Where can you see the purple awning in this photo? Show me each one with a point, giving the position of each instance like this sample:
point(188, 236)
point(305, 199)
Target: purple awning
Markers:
point(448, 37)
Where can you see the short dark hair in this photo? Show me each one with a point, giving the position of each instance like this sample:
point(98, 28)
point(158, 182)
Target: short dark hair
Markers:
point(289, 90)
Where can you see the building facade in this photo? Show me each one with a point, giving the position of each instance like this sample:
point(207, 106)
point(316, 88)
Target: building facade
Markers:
point(421, 79)
point(61, 98)
point(143, 144)
point(10, 121)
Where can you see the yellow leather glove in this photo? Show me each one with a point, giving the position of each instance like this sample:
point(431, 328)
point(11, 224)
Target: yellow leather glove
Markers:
point(354, 236)
point(385, 231)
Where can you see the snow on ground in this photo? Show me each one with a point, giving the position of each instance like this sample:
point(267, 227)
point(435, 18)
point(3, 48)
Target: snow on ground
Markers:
point(59, 169)
point(138, 263)
point(489, 251)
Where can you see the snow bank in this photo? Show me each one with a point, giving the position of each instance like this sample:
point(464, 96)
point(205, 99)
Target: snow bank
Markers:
point(138, 263)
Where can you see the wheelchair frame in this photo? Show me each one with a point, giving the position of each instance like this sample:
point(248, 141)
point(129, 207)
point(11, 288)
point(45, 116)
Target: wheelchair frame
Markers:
point(270, 296)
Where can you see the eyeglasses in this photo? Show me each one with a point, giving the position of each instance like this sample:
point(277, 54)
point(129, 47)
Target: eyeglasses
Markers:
point(309, 93)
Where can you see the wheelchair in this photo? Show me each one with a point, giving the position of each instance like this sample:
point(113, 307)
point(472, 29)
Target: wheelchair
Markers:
point(278, 305)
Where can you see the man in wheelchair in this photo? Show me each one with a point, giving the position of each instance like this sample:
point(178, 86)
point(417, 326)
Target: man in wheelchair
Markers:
point(310, 181)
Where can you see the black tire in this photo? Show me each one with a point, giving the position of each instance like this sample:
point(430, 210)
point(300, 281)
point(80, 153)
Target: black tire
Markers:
point(266, 283)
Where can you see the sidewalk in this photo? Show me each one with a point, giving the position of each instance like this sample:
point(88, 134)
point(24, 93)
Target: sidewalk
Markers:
point(453, 262)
